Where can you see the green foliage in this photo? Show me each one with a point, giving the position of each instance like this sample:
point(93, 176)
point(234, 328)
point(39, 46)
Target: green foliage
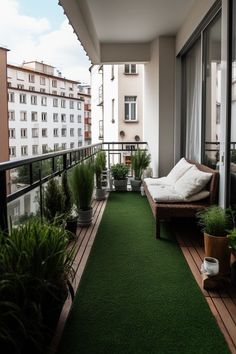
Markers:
point(99, 166)
point(139, 161)
point(35, 266)
point(68, 199)
point(23, 171)
point(119, 171)
point(82, 184)
point(53, 200)
point(232, 238)
point(215, 220)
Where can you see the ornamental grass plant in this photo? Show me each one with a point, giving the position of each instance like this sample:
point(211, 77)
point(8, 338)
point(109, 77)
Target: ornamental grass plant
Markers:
point(215, 220)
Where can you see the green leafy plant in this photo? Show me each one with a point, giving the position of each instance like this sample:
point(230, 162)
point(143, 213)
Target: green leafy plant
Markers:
point(99, 166)
point(232, 238)
point(139, 161)
point(119, 171)
point(35, 278)
point(82, 184)
point(67, 194)
point(53, 200)
point(215, 220)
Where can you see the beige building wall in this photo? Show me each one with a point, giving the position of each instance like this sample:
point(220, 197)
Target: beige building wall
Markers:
point(130, 85)
point(4, 147)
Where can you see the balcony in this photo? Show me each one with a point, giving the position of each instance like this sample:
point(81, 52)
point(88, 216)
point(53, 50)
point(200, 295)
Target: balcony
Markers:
point(87, 135)
point(87, 121)
point(87, 107)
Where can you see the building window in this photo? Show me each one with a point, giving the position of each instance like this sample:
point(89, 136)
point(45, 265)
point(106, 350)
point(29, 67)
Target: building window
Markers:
point(35, 133)
point(54, 83)
point(12, 151)
point(78, 105)
point(71, 131)
point(22, 98)
point(79, 118)
point(71, 95)
point(44, 132)
point(130, 108)
point(79, 132)
point(112, 72)
point(55, 117)
point(44, 148)
point(113, 110)
point(44, 116)
point(63, 117)
point(72, 145)
point(71, 104)
point(71, 118)
point(56, 147)
point(23, 115)
point(80, 143)
point(24, 150)
point(34, 149)
point(42, 80)
point(54, 92)
point(9, 84)
point(31, 78)
point(63, 146)
point(100, 129)
point(34, 116)
point(55, 132)
point(33, 99)
point(12, 133)
point(63, 94)
point(130, 69)
point(23, 133)
point(20, 86)
point(42, 90)
point(63, 103)
point(11, 115)
point(44, 101)
point(63, 132)
point(11, 97)
point(31, 88)
point(55, 102)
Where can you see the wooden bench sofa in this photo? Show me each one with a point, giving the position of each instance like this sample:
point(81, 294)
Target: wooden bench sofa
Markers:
point(166, 211)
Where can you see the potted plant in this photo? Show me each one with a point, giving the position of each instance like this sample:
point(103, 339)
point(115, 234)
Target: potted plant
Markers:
point(139, 162)
point(119, 173)
point(99, 167)
point(82, 184)
point(232, 243)
point(35, 279)
point(215, 221)
point(71, 219)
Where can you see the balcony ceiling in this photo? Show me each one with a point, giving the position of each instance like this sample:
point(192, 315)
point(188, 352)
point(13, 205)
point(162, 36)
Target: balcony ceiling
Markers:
point(119, 26)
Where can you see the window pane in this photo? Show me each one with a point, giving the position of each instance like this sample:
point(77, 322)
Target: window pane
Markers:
point(212, 93)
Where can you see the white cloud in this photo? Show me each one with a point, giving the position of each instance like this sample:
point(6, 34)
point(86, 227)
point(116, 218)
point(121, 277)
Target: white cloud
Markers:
point(30, 39)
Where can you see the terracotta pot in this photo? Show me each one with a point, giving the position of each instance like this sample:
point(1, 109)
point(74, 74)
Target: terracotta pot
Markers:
point(218, 247)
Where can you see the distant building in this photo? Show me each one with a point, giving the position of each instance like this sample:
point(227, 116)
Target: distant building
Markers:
point(45, 110)
point(117, 104)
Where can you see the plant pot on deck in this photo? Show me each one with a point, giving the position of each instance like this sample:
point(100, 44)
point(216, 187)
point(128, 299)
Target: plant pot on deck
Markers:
point(100, 194)
point(120, 184)
point(135, 185)
point(218, 247)
point(85, 217)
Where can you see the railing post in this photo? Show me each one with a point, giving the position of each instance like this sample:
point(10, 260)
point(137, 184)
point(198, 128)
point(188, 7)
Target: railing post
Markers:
point(3, 203)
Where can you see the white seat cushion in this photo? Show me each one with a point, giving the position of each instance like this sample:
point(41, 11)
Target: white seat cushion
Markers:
point(192, 182)
point(168, 194)
point(179, 170)
point(157, 181)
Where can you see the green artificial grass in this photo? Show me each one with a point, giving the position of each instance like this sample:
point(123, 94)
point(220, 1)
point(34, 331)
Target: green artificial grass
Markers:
point(137, 294)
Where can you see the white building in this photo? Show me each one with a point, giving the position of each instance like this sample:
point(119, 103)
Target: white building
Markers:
point(117, 104)
point(45, 111)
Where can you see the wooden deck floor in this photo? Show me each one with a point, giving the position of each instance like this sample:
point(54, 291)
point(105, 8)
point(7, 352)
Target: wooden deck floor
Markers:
point(222, 303)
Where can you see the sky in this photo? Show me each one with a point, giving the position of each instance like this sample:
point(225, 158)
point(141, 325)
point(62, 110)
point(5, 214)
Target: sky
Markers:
point(38, 30)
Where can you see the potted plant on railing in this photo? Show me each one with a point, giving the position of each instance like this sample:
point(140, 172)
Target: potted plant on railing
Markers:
point(35, 279)
point(99, 167)
point(215, 222)
point(119, 173)
point(82, 184)
point(139, 162)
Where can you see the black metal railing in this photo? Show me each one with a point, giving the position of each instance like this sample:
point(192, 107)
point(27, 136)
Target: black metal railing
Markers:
point(33, 175)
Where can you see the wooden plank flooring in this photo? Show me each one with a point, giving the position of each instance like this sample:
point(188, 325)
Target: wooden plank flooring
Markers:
point(222, 302)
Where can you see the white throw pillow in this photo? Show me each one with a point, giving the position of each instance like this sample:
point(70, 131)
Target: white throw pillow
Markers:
point(192, 182)
point(179, 170)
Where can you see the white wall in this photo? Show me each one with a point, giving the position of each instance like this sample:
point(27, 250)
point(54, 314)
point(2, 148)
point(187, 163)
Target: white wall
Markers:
point(151, 105)
point(97, 110)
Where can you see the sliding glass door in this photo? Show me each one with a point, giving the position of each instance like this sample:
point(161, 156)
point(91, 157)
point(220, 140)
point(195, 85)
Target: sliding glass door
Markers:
point(211, 92)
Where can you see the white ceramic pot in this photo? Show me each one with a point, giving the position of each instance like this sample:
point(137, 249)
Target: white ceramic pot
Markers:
point(211, 265)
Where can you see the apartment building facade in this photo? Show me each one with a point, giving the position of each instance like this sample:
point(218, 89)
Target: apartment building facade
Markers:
point(45, 112)
point(117, 104)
